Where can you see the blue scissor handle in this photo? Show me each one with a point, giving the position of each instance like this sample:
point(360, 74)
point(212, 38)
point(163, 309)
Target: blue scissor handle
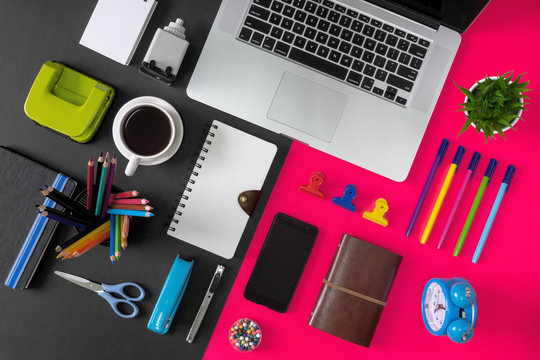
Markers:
point(114, 301)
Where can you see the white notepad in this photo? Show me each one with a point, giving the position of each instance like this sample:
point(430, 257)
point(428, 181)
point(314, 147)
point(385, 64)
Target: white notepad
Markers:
point(116, 26)
point(208, 215)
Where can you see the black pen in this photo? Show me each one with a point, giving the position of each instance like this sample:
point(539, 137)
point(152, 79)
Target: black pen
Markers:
point(206, 302)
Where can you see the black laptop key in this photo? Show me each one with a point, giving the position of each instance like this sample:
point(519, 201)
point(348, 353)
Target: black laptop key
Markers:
point(287, 1)
point(245, 34)
point(333, 42)
point(352, 13)
point(259, 12)
point(310, 33)
point(269, 43)
point(288, 37)
point(367, 83)
point(334, 56)
point(300, 15)
point(311, 7)
point(399, 82)
point(276, 32)
point(340, 8)
point(388, 28)
point(356, 52)
point(391, 40)
point(418, 51)
point(392, 54)
point(345, 47)
point(322, 11)
point(381, 75)
point(333, 16)
point(379, 61)
point(345, 21)
point(257, 24)
point(282, 48)
point(404, 58)
point(323, 25)
point(403, 45)
point(356, 26)
point(369, 70)
point(311, 46)
point(424, 42)
point(376, 23)
point(416, 63)
point(323, 51)
point(312, 20)
point(299, 3)
point(275, 19)
point(287, 23)
point(364, 18)
point(391, 66)
point(370, 44)
point(401, 101)
point(379, 35)
point(334, 30)
point(368, 30)
point(300, 42)
point(354, 78)
point(381, 49)
point(358, 39)
point(390, 93)
point(298, 28)
point(358, 65)
point(407, 72)
point(400, 33)
point(412, 38)
point(264, 3)
point(368, 56)
point(328, 3)
point(346, 61)
point(321, 37)
point(288, 11)
point(346, 35)
point(378, 91)
point(319, 64)
point(277, 6)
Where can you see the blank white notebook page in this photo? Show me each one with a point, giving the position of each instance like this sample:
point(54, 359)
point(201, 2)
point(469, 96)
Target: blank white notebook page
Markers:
point(116, 26)
point(211, 218)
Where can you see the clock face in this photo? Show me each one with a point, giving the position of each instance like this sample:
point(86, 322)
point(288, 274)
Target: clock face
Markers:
point(435, 306)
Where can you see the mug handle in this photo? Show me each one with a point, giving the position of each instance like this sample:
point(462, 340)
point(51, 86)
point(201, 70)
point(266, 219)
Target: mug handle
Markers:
point(132, 165)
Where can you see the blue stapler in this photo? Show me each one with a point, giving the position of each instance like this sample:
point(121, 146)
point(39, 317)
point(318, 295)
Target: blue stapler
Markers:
point(171, 295)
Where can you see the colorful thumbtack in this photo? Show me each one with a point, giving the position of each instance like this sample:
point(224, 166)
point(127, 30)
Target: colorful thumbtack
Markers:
point(377, 215)
point(317, 178)
point(346, 200)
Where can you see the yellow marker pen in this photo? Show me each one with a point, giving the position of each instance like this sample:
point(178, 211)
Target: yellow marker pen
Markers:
point(442, 194)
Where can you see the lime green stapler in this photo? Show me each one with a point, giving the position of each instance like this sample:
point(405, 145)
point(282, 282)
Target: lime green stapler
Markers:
point(68, 102)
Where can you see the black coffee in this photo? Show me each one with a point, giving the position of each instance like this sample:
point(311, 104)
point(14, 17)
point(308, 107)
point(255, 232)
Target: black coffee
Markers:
point(147, 131)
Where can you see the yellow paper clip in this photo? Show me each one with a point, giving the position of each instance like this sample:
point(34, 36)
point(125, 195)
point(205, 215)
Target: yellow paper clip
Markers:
point(377, 215)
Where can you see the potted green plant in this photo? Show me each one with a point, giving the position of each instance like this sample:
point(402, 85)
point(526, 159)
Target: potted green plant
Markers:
point(494, 104)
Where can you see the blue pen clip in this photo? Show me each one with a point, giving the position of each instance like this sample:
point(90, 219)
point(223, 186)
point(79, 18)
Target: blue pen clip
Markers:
point(459, 155)
point(442, 150)
point(474, 163)
point(490, 169)
point(509, 176)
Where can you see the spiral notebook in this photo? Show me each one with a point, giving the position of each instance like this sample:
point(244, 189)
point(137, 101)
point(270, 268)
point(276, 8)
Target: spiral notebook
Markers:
point(208, 214)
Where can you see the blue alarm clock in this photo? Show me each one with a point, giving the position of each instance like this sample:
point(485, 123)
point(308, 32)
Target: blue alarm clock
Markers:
point(449, 308)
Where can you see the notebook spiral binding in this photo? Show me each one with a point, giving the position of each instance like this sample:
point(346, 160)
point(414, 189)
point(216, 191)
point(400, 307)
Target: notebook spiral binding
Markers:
point(198, 161)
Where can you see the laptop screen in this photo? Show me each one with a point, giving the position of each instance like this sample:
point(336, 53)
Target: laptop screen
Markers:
point(455, 14)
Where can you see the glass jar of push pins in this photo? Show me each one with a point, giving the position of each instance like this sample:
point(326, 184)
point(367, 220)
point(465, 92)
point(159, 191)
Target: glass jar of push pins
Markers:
point(245, 335)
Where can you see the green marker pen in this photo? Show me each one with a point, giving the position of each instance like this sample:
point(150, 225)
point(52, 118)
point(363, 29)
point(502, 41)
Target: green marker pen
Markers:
point(476, 203)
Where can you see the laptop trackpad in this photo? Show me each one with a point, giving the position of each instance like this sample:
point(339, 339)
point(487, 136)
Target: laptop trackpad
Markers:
point(307, 106)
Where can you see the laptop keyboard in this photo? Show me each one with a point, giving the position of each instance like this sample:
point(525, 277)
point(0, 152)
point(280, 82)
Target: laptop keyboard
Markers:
point(340, 42)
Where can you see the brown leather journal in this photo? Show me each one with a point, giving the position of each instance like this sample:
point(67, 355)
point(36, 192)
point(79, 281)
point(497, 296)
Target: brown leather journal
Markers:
point(354, 292)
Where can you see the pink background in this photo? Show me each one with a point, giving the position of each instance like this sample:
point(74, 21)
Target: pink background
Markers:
point(505, 37)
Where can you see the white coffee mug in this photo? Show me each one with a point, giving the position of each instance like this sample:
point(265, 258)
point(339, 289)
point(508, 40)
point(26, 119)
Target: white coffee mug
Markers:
point(168, 151)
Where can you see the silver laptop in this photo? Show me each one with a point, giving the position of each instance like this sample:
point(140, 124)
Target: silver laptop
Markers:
point(356, 79)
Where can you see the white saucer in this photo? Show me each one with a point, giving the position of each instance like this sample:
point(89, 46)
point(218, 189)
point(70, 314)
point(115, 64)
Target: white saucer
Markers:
point(130, 105)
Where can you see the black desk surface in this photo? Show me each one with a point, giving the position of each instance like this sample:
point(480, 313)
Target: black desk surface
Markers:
point(55, 319)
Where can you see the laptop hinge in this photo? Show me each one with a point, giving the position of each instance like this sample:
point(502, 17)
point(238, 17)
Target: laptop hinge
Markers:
point(405, 12)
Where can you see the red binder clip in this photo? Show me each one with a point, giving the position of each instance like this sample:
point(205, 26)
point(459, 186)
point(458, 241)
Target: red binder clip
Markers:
point(317, 178)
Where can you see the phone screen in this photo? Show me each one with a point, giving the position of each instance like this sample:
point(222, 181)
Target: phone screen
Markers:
point(281, 262)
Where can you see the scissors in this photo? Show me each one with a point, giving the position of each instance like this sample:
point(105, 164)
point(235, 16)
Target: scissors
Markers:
point(105, 290)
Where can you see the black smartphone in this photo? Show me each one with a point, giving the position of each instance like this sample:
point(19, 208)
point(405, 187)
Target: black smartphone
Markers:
point(281, 262)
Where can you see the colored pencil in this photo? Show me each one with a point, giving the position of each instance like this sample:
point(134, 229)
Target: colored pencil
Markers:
point(102, 185)
point(97, 240)
point(85, 239)
point(125, 231)
point(117, 235)
point(108, 186)
point(89, 184)
point(128, 201)
point(64, 201)
point(126, 194)
point(111, 238)
point(131, 207)
point(62, 219)
point(130, 212)
point(72, 217)
point(97, 179)
point(64, 244)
